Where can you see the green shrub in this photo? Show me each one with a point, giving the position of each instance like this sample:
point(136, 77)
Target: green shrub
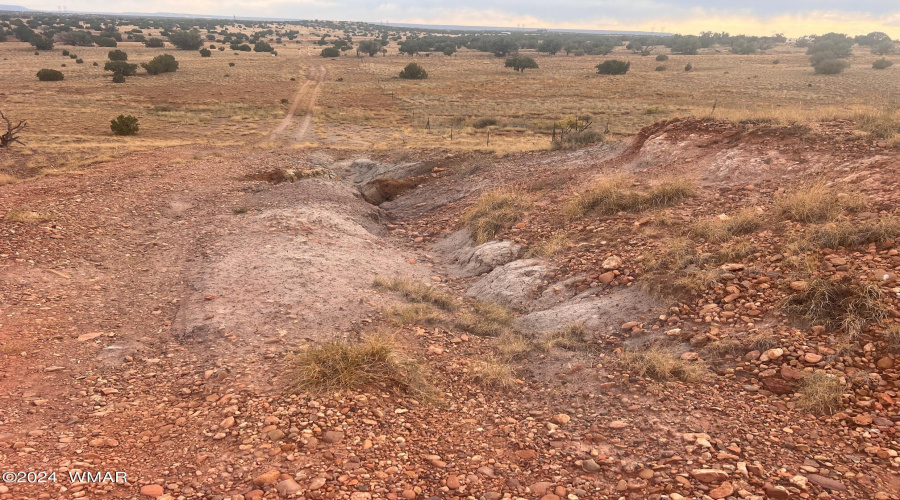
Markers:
point(103, 41)
point(330, 52)
point(186, 40)
point(262, 47)
point(79, 61)
point(124, 125)
point(613, 67)
point(689, 67)
point(65, 53)
point(662, 57)
point(117, 55)
point(164, 63)
point(882, 64)
point(49, 75)
point(231, 65)
point(121, 67)
point(521, 63)
point(41, 43)
point(205, 53)
point(485, 122)
point(830, 66)
point(660, 68)
point(154, 43)
point(118, 78)
point(413, 71)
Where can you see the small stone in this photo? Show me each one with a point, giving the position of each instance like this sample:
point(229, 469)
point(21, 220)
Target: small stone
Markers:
point(332, 436)
point(590, 465)
point(267, 478)
point(526, 454)
point(317, 483)
point(774, 353)
point(617, 424)
point(812, 357)
point(228, 423)
point(453, 482)
point(612, 263)
point(561, 419)
point(689, 356)
point(826, 482)
point(709, 475)
point(724, 490)
point(885, 363)
point(152, 490)
point(540, 487)
point(777, 492)
point(288, 487)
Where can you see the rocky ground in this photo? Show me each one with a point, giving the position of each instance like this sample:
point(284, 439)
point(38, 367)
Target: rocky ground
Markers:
point(151, 307)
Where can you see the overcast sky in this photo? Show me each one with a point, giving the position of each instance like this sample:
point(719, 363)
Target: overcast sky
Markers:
point(760, 17)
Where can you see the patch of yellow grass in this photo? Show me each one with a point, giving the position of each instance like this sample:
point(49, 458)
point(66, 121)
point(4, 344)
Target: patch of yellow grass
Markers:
point(414, 314)
point(7, 179)
point(493, 373)
point(493, 212)
point(821, 393)
point(418, 292)
point(550, 247)
point(719, 230)
point(27, 216)
point(486, 319)
point(662, 364)
point(612, 195)
point(816, 203)
point(511, 345)
point(377, 362)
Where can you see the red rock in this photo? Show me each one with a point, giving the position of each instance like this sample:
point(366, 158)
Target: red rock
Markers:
point(709, 475)
point(723, 491)
point(152, 490)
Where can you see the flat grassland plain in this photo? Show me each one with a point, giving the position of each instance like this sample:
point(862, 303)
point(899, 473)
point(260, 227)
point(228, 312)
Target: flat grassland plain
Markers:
point(237, 98)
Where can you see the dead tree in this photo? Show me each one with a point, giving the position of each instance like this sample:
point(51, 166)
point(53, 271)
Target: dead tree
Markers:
point(12, 131)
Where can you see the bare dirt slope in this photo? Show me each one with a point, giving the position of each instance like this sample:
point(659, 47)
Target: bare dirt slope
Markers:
point(151, 305)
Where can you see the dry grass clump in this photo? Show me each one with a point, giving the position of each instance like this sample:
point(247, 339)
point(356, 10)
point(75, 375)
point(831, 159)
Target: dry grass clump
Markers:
point(851, 234)
point(661, 364)
point(7, 179)
point(571, 337)
point(610, 196)
point(891, 338)
point(838, 304)
point(418, 292)
point(821, 393)
point(762, 342)
point(486, 319)
point(26, 216)
point(376, 362)
point(816, 203)
point(879, 125)
point(718, 230)
point(492, 213)
point(414, 314)
point(737, 250)
point(549, 247)
point(493, 373)
point(681, 268)
point(511, 345)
